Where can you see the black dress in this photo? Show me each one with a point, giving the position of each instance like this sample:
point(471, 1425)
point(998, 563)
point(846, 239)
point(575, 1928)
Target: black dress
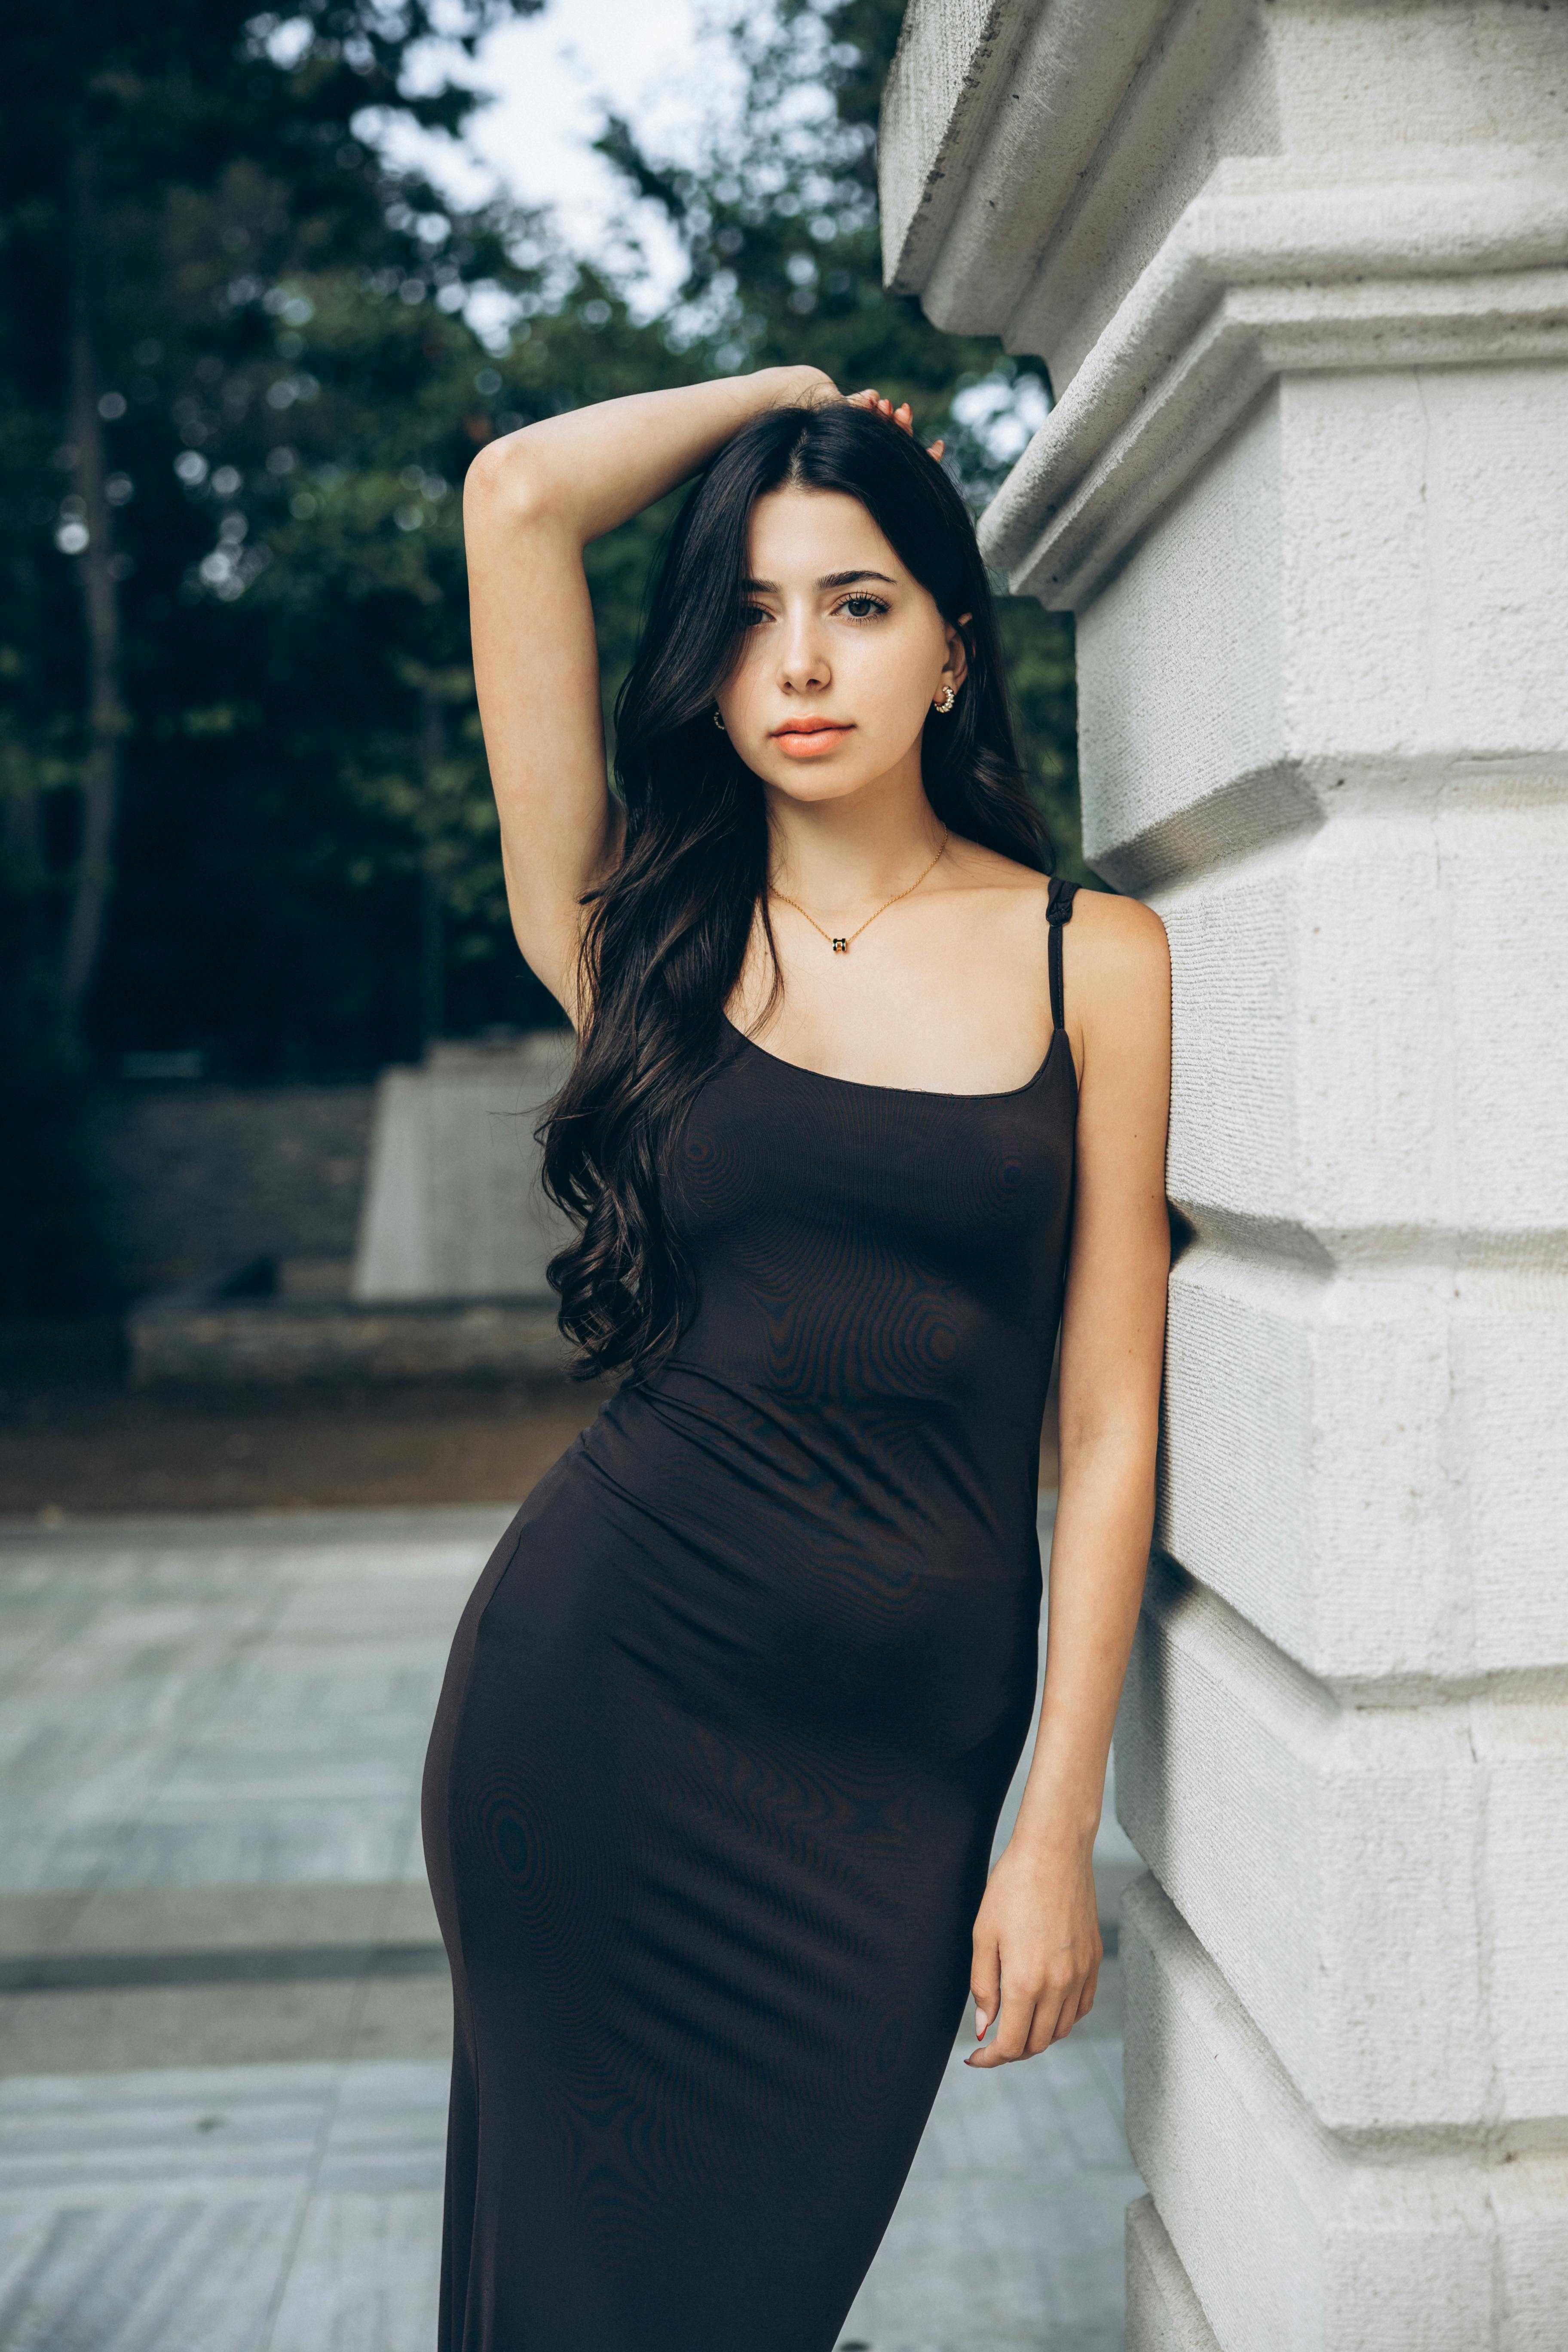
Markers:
point(728, 1723)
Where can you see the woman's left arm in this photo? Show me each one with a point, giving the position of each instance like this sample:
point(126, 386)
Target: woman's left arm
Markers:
point(1036, 1937)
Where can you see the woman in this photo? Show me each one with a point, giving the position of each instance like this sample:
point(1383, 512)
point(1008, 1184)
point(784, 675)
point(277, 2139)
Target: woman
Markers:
point(731, 1714)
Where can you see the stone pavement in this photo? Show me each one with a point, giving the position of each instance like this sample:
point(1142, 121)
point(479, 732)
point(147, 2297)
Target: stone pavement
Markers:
point(224, 2013)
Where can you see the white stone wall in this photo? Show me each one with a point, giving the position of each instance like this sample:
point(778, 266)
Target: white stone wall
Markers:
point(453, 1207)
point(1299, 270)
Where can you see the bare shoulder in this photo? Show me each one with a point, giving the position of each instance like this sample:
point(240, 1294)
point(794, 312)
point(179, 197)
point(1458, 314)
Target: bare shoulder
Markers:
point(1124, 940)
point(970, 867)
point(1119, 966)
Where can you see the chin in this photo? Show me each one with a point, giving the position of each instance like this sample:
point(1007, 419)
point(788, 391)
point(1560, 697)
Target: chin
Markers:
point(812, 779)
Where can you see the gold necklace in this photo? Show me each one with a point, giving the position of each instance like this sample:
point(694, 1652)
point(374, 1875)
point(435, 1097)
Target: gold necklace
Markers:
point(841, 946)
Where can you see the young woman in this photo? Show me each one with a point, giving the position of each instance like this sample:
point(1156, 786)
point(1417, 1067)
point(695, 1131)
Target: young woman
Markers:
point(731, 1714)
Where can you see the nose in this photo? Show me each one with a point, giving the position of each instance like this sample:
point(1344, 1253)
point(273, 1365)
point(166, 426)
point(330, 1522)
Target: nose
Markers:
point(803, 664)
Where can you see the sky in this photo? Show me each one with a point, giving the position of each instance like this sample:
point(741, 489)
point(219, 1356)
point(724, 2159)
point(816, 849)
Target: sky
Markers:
point(665, 64)
point(660, 62)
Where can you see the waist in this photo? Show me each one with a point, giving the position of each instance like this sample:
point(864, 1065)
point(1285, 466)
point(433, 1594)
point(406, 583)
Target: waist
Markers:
point(692, 1444)
point(755, 1560)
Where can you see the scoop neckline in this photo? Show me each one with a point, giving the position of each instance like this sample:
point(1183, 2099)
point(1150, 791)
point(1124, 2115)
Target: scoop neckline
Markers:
point(918, 1093)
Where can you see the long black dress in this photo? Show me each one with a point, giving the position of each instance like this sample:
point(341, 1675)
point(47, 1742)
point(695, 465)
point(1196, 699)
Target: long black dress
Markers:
point(728, 1723)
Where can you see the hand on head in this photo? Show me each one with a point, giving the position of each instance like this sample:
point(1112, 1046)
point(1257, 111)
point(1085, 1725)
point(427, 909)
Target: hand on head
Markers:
point(903, 416)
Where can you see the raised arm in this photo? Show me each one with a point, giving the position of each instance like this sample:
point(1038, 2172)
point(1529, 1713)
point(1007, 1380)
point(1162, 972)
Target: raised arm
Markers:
point(1037, 1939)
point(531, 503)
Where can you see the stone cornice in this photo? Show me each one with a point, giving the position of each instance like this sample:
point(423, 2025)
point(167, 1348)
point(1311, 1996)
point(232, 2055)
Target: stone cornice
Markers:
point(1024, 88)
point(1256, 280)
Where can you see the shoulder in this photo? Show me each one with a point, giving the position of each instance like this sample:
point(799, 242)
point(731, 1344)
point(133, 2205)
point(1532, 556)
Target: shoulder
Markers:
point(1119, 965)
point(970, 865)
point(1122, 935)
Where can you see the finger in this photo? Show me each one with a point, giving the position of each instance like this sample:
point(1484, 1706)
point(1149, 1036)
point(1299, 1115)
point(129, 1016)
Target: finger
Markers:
point(905, 416)
point(861, 399)
point(1046, 2027)
point(1074, 2006)
point(1013, 2029)
point(985, 1986)
point(936, 449)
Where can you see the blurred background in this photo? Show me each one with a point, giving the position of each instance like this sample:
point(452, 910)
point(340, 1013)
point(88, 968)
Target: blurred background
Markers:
point(271, 280)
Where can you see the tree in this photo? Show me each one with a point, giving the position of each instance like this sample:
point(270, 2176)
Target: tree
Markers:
point(163, 173)
point(142, 150)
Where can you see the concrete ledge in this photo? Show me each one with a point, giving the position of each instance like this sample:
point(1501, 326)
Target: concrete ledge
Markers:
point(1164, 2314)
point(402, 1533)
point(1295, 2241)
point(197, 1340)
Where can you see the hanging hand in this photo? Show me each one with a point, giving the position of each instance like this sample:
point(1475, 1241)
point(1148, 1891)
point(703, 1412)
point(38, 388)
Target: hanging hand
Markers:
point(1037, 1949)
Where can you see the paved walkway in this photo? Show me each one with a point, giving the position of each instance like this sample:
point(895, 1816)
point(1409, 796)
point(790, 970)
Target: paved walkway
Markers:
point(224, 2014)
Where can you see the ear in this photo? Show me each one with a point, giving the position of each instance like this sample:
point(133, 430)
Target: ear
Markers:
point(955, 669)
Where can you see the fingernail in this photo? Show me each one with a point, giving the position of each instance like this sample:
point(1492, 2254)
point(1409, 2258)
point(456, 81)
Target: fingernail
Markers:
point(981, 2020)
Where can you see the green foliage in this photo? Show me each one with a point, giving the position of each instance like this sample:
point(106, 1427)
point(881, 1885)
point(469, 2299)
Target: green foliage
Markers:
point(287, 398)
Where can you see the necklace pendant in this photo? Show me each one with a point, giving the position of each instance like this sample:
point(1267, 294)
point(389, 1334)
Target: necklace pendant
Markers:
point(840, 947)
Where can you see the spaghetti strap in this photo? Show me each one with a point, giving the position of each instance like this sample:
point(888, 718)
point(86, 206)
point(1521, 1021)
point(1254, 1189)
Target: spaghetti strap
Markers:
point(1058, 910)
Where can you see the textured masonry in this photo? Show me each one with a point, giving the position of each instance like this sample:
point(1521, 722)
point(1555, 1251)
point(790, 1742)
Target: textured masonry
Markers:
point(1300, 273)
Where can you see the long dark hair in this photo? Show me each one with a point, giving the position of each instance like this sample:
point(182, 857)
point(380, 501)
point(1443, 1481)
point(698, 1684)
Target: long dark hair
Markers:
point(667, 934)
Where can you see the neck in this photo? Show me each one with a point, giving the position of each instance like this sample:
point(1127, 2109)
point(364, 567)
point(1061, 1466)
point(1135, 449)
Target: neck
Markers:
point(834, 855)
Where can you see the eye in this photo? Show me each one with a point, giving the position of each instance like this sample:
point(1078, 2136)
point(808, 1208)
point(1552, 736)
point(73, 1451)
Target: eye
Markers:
point(752, 614)
point(862, 608)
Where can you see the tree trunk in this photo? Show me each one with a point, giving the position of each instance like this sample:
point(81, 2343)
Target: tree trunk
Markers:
point(106, 713)
point(432, 914)
point(28, 1009)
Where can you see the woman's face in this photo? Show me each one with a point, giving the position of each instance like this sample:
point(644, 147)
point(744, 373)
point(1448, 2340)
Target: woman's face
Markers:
point(844, 653)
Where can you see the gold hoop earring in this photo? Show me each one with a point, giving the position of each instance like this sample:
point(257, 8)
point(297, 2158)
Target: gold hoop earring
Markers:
point(720, 723)
point(945, 700)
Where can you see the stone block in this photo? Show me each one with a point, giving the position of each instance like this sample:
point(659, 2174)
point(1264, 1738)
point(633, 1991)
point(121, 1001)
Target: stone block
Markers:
point(1295, 2240)
point(453, 1207)
point(188, 1179)
point(1164, 2314)
point(1352, 1012)
point(1381, 1884)
point(1336, 610)
point(1316, 1420)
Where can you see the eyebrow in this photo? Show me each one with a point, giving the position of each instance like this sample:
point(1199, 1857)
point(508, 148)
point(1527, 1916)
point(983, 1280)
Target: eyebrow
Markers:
point(829, 579)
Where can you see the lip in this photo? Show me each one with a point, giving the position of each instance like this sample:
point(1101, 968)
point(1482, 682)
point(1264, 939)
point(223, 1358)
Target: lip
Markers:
point(808, 739)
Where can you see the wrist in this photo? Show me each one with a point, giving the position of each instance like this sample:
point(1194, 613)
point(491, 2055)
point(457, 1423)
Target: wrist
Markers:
point(801, 384)
point(1057, 1826)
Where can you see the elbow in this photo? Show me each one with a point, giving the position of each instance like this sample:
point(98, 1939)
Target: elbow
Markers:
point(505, 482)
point(1114, 1441)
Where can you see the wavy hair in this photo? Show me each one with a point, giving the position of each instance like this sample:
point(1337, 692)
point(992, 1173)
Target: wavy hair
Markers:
point(667, 933)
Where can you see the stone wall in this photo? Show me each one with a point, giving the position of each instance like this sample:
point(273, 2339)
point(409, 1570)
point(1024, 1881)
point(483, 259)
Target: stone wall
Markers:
point(1300, 271)
point(453, 1206)
point(189, 1180)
